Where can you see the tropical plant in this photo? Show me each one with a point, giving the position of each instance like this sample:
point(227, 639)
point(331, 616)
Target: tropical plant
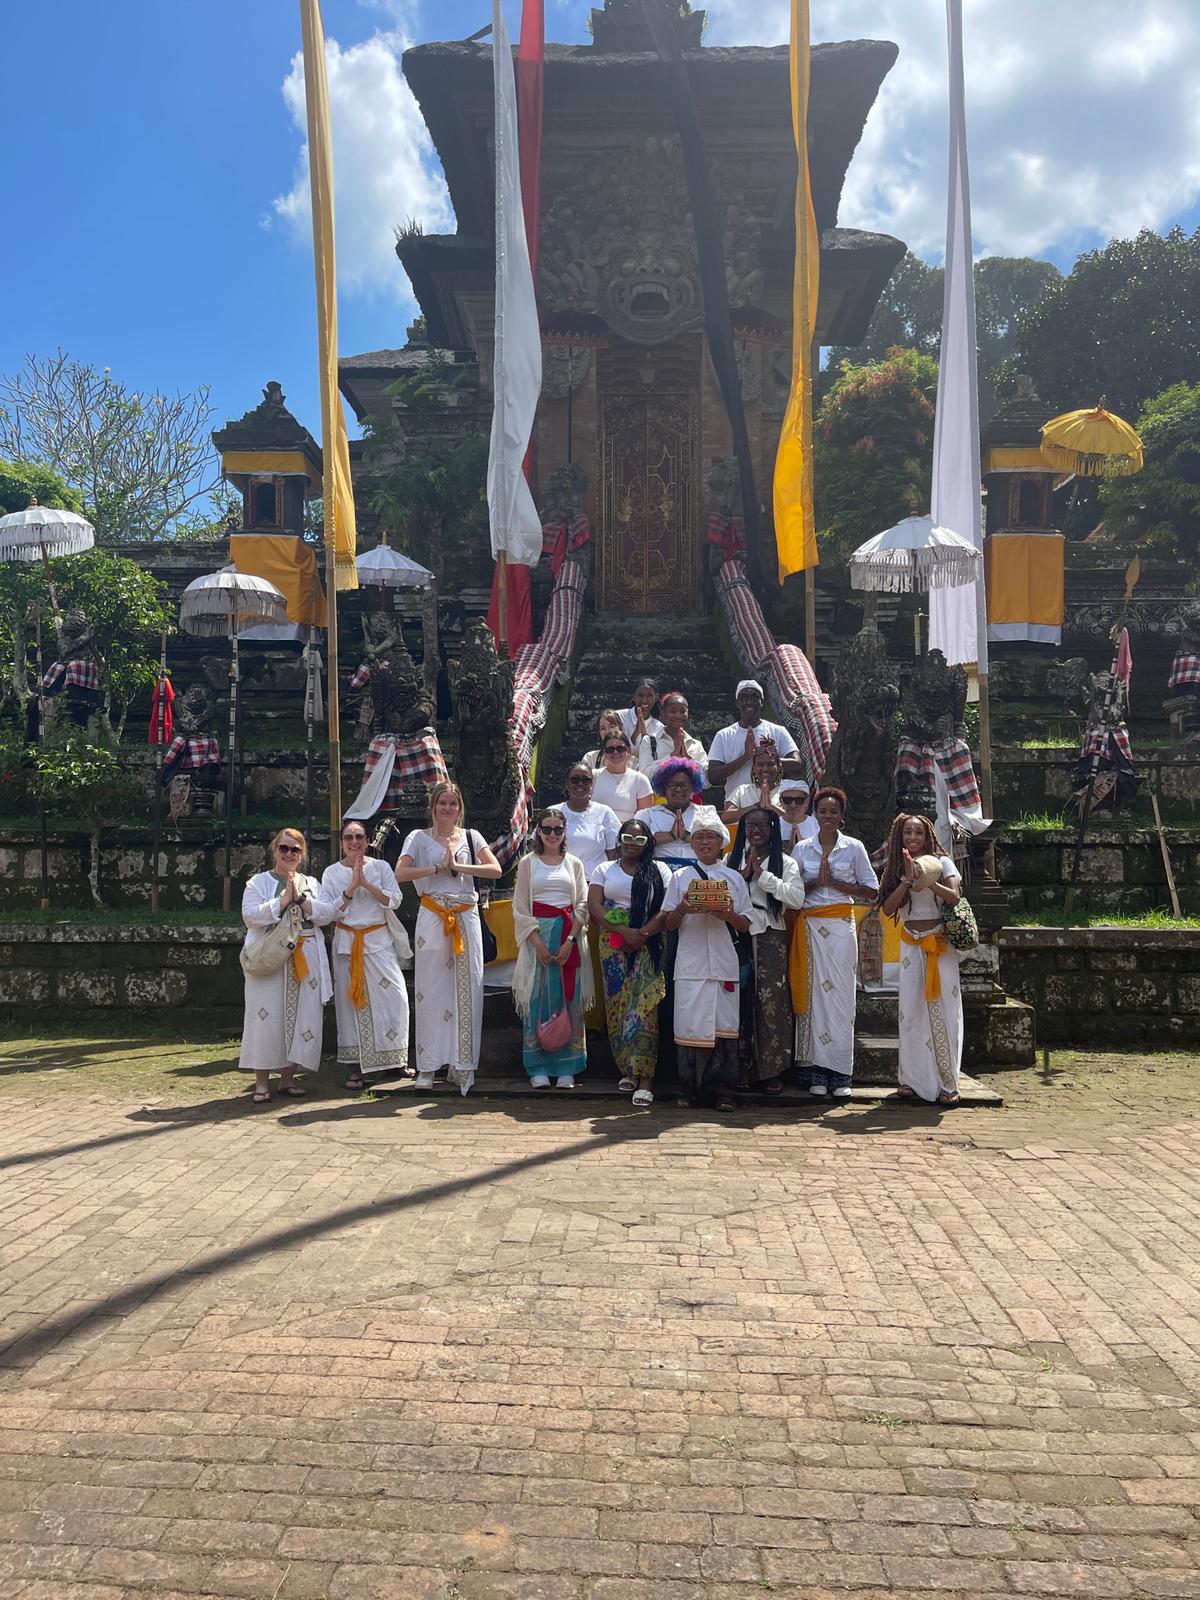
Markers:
point(92, 783)
point(23, 481)
point(1160, 505)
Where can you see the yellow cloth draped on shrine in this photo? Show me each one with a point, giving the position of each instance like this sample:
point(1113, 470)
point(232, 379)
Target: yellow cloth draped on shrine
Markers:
point(340, 533)
point(795, 528)
point(290, 565)
point(1024, 577)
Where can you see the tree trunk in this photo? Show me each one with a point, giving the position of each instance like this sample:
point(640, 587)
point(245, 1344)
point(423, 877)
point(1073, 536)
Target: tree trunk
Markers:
point(94, 865)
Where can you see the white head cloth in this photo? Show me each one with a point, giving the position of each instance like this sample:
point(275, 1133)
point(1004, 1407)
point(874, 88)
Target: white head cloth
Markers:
point(795, 786)
point(749, 683)
point(707, 819)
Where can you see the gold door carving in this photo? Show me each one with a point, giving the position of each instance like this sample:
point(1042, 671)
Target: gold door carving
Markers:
point(649, 560)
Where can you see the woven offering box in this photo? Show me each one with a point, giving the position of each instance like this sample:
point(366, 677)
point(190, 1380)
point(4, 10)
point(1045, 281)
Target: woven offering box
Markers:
point(709, 894)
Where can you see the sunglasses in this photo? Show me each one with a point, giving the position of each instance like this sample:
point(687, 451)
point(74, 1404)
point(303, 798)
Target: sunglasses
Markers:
point(632, 838)
point(288, 849)
point(615, 749)
point(580, 778)
point(551, 833)
point(352, 838)
point(794, 799)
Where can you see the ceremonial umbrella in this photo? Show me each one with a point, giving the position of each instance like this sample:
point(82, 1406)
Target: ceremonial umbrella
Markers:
point(915, 554)
point(573, 330)
point(386, 568)
point(36, 534)
point(225, 602)
point(1091, 443)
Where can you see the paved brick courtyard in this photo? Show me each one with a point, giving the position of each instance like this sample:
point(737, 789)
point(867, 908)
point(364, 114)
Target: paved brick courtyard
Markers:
point(512, 1351)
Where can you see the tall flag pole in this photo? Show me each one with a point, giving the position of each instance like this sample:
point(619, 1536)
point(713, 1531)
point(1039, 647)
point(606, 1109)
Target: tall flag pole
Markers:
point(795, 524)
point(531, 75)
point(337, 489)
point(516, 527)
point(958, 616)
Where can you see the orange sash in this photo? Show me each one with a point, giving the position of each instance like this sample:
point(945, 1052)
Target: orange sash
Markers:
point(934, 946)
point(299, 963)
point(358, 977)
point(451, 920)
point(798, 951)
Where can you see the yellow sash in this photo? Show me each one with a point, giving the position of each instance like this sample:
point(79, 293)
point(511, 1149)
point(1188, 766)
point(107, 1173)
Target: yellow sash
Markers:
point(299, 964)
point(934, 946)
point(798, 952)
point(451, 920)
point(358, 978)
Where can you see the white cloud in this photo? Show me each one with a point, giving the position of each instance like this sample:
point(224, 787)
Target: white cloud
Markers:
point(384, 165)
point(1084, 120)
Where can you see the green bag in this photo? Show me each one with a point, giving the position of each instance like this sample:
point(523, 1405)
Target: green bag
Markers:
point(959, 925)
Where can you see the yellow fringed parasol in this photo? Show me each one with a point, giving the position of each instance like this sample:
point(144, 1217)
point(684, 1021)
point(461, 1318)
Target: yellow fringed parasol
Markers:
point(1091, 443)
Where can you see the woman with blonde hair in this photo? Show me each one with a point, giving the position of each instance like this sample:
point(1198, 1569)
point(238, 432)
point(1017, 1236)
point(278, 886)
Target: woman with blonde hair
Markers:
point(445, 861)
point(549, 919)
point(284, 1009)
point(919, 879)
point(370, 994)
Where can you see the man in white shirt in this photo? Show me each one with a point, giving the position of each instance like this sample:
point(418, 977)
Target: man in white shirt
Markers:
point(732, 753)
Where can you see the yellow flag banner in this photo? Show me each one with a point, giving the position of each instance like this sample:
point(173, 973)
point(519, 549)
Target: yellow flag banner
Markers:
point(795, 529)
point(340, 532)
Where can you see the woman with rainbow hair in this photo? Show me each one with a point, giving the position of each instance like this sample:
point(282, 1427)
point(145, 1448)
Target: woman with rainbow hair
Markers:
point(678, 790)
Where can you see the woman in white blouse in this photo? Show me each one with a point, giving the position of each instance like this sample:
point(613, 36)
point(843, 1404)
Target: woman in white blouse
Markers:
point(617, 785)
point(284, 1009)
point(592, 836)
point(549, 917)
point(763, 788)
point(837, 874)
point(446, 859)
point(919, 880)
point(675, 740)
point(369, 992)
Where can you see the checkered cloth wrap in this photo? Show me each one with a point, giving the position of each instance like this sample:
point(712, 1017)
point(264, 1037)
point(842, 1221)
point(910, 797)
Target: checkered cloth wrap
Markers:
point(560, 541)
point(195, 752)
point(361, 679)
point(78, 674)
point(791, 684)
point(1095, 741)
point(527, 721)
point(418, 760)
point(728, 535)
point(953, 757)
point(1185, 671)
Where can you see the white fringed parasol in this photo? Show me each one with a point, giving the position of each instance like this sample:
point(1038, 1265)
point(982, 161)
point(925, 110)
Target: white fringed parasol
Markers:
point(41, 533)
point(915, 554)
point(227, 601)
point(386, 568)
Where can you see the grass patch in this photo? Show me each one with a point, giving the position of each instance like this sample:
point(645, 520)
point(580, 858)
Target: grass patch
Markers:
point(93, 916)
point(1087, 917)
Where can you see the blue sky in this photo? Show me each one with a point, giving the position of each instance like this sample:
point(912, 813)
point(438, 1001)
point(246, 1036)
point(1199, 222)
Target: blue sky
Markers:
point(144, 231)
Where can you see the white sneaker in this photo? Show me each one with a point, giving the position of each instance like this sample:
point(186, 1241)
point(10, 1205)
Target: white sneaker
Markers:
point(566, 1081)
point(541, 1081)
point(842, 1092)
point(818, 1089)
point(424, 1080)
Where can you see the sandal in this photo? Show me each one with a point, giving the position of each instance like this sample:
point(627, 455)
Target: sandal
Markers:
point(945, 1099)
point(726, 1102)
point(355, 1082)
point(293, 1091)
point(903, 1092)
point(773, 1086)
point(627, 1085)
point(643, 1097)
point(260, 1097)
point(684, 1102)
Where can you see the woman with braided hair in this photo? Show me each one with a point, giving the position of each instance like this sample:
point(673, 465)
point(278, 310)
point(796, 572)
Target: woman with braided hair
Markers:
point(776, 887)
point(919, 878)
point(625, 903)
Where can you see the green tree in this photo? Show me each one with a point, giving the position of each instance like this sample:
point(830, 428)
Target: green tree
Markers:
point(873, 449)
point(909, 314)
point(23, 481)
point(1160, 505)
point(1124, 325)
point(140, 461)
point(89, 782)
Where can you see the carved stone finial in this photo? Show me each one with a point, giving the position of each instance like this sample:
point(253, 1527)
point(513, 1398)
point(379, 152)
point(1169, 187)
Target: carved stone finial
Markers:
point(482, 686)
point(862, 757)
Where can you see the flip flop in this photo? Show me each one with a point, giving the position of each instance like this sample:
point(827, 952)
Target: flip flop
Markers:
point(293, 1091)
point(260, 1097)
point(356, 1083)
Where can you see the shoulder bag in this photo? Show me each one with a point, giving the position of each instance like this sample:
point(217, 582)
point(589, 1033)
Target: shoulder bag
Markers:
point(959, 926)
point(268, 954)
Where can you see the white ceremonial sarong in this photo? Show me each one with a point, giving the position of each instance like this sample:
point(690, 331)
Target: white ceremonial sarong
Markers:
point(931, 1034)
point(825, 1036)
point(284, 1018)
point(705, 1011)
point(375, 1038)
point(448, 994)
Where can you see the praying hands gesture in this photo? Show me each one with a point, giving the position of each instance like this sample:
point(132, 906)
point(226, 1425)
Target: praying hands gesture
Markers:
point(680, 746)
point(678, 831)
point(750, 746)
point(910, 867)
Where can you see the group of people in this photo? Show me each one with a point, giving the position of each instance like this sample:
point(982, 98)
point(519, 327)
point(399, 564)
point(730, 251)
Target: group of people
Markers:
point(633, 896)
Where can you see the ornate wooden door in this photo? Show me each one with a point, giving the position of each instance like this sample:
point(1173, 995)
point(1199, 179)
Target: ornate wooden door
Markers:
point(649, 546)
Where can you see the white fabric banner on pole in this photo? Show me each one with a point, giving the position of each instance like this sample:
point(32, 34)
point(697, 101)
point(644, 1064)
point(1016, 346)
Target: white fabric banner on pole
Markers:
point(517, 369)
point(958, 616)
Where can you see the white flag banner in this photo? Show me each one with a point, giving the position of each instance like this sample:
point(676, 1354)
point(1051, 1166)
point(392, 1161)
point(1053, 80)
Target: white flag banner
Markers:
point(957, 617)
point(517, 369)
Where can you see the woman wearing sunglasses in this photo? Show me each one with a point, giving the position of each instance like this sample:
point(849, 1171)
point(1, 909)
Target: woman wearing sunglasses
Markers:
point(282, 1028)
point(549, 917)
point(592, 836)
point(617, 784)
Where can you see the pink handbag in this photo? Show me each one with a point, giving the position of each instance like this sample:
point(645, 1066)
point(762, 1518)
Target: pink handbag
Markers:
point(555, 1032)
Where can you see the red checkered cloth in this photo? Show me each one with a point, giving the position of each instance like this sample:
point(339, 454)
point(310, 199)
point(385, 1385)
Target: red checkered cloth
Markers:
point(193, 753)
point(560, 541)
point(509, 846)
point(1095, 742)
point(417, 760)
point(798, 699)
point(1185, 671)
point(954, 759)
point(78, 674)
point(527, 721)
point(361, 678)
point(728, 535)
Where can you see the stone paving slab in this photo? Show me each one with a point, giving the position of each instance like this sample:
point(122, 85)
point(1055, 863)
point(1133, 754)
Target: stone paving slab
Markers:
point(468, 1350)
point(589, 1087)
